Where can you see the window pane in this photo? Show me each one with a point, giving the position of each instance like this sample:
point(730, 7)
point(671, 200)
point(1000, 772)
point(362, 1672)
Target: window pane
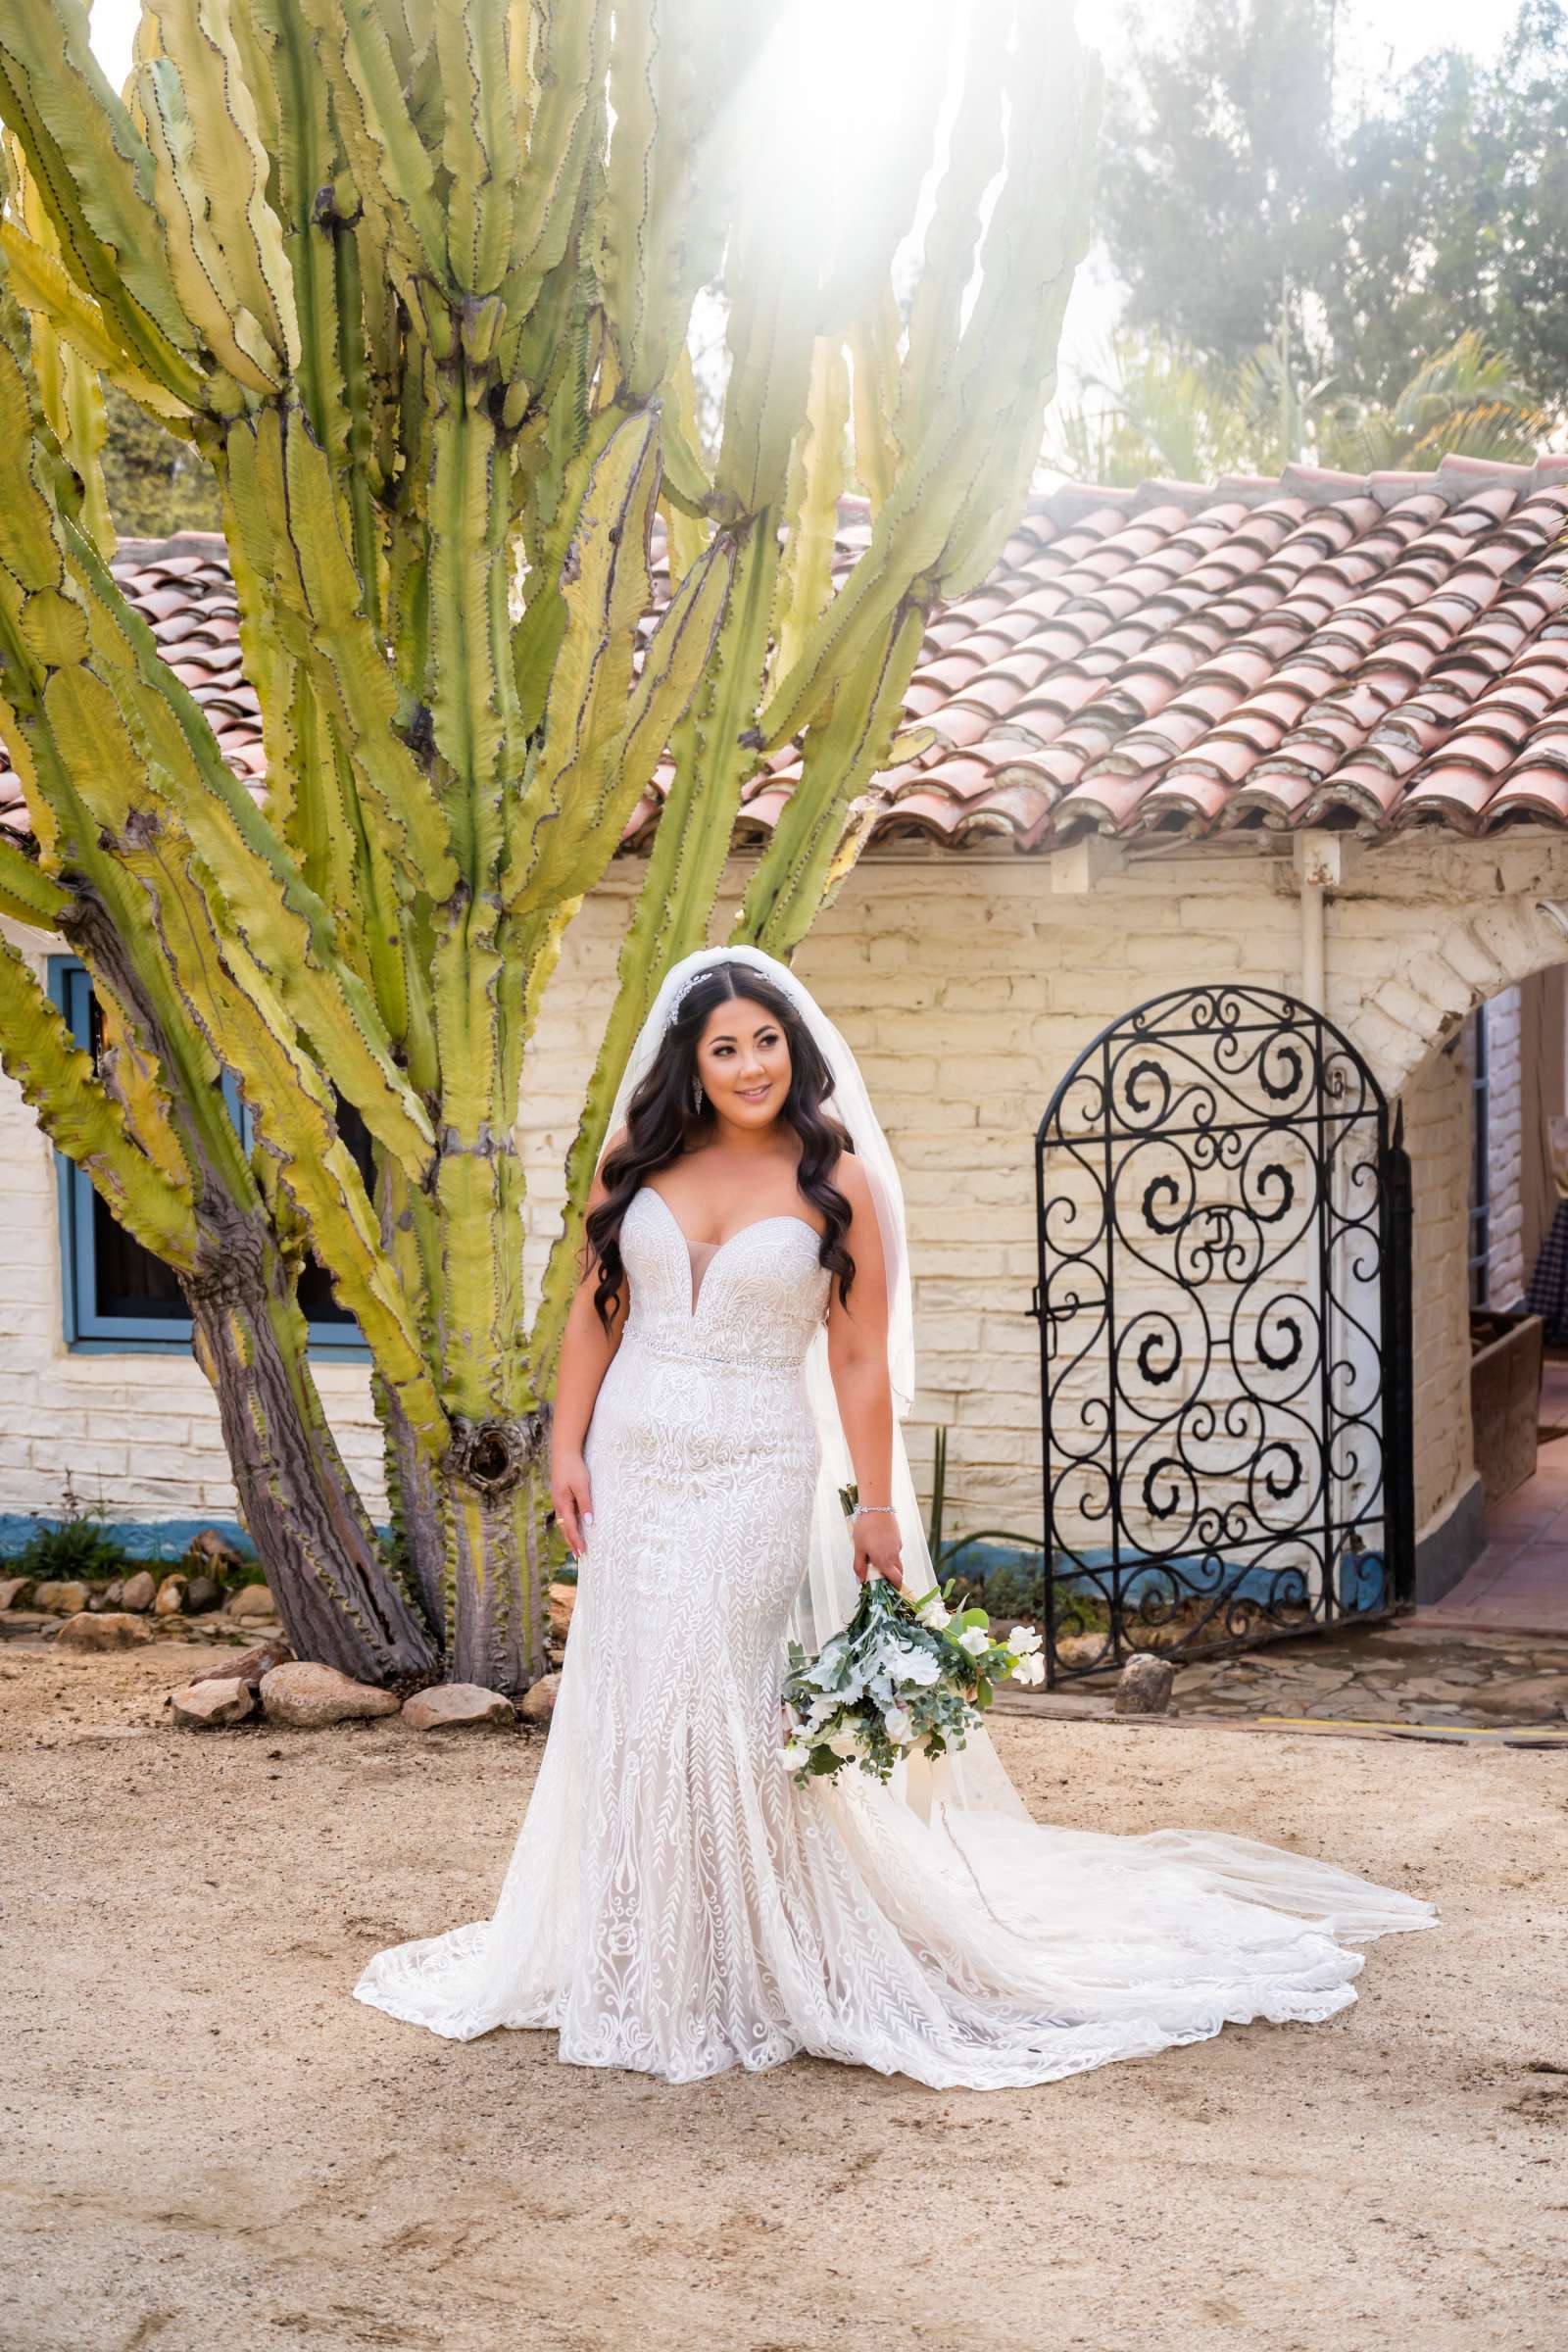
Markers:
point(316, 1291)
point(130, 1281)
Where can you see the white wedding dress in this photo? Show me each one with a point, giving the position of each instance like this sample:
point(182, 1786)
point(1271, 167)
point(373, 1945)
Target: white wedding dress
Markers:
point(677, 1903)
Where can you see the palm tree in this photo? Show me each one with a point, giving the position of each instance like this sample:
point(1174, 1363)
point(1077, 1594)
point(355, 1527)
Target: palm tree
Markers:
point(1152, 410)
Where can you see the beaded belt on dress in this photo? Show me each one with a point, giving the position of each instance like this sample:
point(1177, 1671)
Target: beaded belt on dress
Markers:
point(695, 1355)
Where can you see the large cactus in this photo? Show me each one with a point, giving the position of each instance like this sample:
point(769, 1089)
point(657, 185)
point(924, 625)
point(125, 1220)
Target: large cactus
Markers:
point(417, 278)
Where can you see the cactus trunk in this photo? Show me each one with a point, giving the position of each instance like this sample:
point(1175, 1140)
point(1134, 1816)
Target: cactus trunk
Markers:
point(495, 1501)
point(321, 1554)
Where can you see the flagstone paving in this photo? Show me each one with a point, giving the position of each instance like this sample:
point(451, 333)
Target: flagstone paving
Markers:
point(1402, 1674)
point(1398, 1678)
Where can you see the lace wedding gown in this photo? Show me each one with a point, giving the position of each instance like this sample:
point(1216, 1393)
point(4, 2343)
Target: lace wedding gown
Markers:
point(677, 1903)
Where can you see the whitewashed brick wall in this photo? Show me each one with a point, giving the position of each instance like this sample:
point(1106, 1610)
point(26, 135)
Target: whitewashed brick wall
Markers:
point(966, 985)
point(1506, 1272)
point(1438, 1108)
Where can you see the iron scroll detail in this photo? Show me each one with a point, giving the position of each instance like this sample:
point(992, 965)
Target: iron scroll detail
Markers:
point(1222, 1214)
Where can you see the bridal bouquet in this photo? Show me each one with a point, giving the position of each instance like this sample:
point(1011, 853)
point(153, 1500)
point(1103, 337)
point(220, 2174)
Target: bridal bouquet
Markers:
point(901, 1674)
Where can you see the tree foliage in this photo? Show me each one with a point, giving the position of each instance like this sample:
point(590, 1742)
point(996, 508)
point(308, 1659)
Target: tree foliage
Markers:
point(1384, 226)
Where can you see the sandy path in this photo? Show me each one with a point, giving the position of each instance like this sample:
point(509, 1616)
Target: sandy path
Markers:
point(208, 2142)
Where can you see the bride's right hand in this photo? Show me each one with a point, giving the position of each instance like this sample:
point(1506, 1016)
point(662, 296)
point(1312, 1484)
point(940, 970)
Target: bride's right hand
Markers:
point(573, 1500)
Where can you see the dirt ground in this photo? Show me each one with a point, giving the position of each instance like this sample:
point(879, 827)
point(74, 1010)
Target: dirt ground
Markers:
point(207, 2141)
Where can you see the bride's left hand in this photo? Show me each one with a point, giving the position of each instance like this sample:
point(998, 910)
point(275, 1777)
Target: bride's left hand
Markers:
point(878, 1545)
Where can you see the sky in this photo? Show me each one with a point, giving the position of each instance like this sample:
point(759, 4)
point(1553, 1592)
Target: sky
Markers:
point(1378, 39)
point(1379, 35)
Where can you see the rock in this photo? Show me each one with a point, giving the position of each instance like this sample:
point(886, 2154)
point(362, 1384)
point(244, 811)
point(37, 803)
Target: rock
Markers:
point(453, 1706)
point(307, 1696)
point(116, 1631)
point(211, 1702)
point(563, 1600)
point(202, 1593)
point(538, 1702)
point(171, 1598)
point(138, 1592)
point(1144, 1686)
point(252, 1600)
point(66, 1599)
point(16, 1591)
point(251, 1664)
point(210, 1554)
point(108, 1599)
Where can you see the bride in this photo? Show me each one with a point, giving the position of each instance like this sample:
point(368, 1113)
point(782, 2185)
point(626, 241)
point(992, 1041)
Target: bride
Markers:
point(740, 1346)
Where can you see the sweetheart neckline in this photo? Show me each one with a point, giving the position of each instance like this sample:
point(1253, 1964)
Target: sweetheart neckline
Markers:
point(781, 1217)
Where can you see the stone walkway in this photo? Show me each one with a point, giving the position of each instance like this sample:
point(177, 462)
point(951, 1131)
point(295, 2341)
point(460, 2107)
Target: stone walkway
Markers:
point(1405, 1673)
point(1396, 1679)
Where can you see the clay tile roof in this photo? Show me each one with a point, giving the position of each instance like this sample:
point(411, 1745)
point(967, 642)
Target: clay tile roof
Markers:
point(1376, 651)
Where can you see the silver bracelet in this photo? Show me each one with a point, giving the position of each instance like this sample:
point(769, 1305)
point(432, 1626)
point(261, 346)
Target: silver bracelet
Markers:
point(861, 1507)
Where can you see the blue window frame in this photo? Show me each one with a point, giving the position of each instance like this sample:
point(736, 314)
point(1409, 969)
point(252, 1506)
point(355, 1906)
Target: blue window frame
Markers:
point(117, 1296)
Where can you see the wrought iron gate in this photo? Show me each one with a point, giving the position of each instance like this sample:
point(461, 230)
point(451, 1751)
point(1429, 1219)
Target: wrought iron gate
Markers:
point(1223, 1221)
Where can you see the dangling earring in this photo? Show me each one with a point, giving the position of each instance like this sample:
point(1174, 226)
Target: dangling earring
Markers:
point(696, 1094)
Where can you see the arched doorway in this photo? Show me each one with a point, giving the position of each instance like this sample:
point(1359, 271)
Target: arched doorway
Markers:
point(1222, 1214)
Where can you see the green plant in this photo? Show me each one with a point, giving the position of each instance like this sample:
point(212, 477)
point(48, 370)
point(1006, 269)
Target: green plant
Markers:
point(72, 1548)
point(414, 280)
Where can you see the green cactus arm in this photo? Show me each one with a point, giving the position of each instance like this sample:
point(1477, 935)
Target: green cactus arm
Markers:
point(816, 482)
point(69, 388)
point(131, 1076)
point(164, 894)
point(291, 1105)
point(564, 131)
point(43, 286)
point(210, 175)
point(537, 638)
point(873, 341)
point(677, 73)
point(690, 848)
point(475, 701)
point(478, 131)
point(82, 1118)
point(604, 587)
point(974, 156)
point(770, 331)
point(295, 126)
point(288, 927)
point(811, 851)
point(95, 174)
point(688, 484)
point(393, 170)
point(288, 517)
point(572, 860)
point(28, 894)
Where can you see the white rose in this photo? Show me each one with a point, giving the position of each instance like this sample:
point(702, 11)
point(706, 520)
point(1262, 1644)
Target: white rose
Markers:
point(1030, 1669)
point(896, 1723)
point(1024, 1641)
point(846, 1743)
point(930, 1611)
point(797, 1755)
point(975, 1640)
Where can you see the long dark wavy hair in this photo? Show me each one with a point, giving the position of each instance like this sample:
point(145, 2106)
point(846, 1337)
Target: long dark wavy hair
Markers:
point(660, 1124)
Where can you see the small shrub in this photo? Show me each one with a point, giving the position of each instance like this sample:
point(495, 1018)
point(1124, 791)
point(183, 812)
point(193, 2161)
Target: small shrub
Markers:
point(74, 1547)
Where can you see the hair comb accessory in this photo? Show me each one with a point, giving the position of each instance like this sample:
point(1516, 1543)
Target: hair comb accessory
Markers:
point(684, 990)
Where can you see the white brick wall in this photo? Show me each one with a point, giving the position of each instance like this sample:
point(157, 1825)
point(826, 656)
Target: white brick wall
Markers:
point(967, 984)
point(1506, 1271)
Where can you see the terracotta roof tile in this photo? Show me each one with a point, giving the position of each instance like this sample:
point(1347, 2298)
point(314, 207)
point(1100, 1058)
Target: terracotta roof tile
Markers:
point(1381, 650)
